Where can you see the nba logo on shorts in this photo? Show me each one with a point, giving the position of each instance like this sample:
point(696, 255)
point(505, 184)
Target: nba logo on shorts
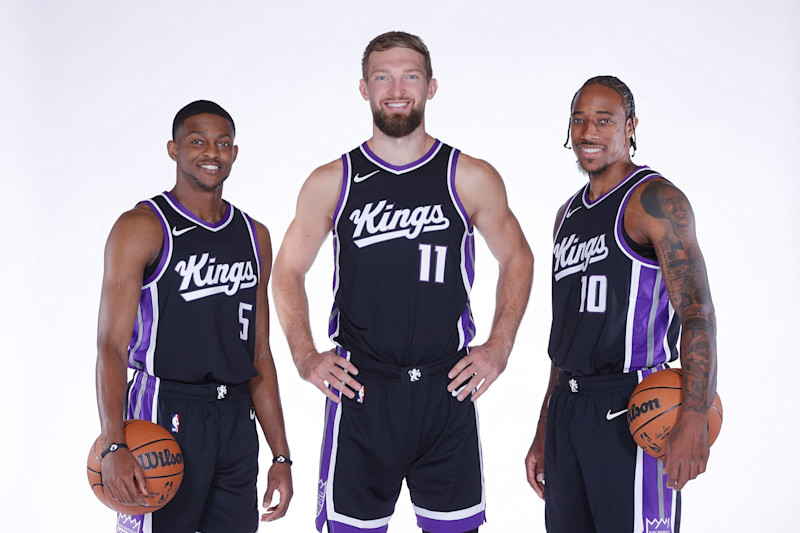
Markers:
point(361, 393)
point(176, 423)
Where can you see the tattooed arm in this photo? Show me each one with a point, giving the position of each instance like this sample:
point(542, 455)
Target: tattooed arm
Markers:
point(659, 215)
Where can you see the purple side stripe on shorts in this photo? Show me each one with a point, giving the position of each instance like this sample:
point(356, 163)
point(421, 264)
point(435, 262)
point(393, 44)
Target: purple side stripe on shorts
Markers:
point(452, 526)
point(331, 410)
point(656, 497)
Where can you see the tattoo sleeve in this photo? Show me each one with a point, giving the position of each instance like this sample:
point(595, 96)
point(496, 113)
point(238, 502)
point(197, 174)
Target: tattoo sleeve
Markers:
point(686, 280)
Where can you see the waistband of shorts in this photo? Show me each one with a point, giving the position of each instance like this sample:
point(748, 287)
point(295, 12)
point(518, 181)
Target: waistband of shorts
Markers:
point(403, 374)
point(604, 383)
point(598, 384)
point(201, 391)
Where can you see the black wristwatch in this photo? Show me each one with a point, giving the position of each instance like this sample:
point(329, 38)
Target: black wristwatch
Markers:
point(282, 459)
point(114, 446)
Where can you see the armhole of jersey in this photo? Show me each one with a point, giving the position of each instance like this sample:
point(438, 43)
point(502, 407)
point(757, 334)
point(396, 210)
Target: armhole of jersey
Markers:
point(254, 241)
point(343, 190)
point(564, 213)
point(155, 270)
point(624, 241)
point(451, 184)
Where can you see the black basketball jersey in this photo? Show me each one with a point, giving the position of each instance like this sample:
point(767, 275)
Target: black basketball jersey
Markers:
point(196, 317)
point(404, 254)
point(611, 312)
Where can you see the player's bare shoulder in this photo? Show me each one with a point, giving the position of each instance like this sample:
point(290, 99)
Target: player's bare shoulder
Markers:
point(478, 184)
point(137, 233)
point(321, 190)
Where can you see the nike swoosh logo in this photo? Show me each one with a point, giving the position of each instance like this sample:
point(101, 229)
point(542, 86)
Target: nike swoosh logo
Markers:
point(178, 232)
point(612, 416)
point(572, 212)
point(359, 179)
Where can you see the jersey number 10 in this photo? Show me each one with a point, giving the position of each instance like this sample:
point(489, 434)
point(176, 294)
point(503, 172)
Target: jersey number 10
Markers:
point(594, 290)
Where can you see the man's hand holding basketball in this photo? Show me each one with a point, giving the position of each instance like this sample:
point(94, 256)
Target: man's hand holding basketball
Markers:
point(123, 478)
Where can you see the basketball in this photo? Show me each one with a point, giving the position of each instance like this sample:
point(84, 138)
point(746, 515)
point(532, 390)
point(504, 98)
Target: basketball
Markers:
point(653, 411)
point(159, 456)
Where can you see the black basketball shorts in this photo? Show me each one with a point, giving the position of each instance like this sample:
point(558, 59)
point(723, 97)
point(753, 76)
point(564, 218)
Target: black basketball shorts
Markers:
point(404, 424)
point(596, 478)
point(216, 429)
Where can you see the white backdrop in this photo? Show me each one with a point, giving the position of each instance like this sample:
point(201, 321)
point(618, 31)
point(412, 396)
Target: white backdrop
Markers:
point(88, 93)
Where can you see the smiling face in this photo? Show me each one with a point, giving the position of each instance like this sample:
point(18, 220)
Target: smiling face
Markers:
point(397, 89)
point(204, 151)
point(600, 132)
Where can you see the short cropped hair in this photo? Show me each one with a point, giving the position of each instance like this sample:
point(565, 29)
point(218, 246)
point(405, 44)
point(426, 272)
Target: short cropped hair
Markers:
point(199, 107)
point(397, 39)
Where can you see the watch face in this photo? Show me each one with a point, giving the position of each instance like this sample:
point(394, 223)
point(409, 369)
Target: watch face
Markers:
point(113, 448)
point(281, 459)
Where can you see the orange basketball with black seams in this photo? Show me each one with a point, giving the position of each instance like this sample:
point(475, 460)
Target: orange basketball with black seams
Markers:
point(158, 454)
point(654, 407)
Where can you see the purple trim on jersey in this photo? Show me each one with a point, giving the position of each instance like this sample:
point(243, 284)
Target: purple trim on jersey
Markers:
point(467, 326)
point(451, 526)
point(419, 161)
point(641, 318)
point(254, 235)
point(333, 322)
point(662, 323)
point(459, 205)
point(469, 258)
point(339, 527)
point(141, 400)
point(342, 189)
point(621, 240)
point(224, 220)
point(620, 184)
point(166, 252)
point(138, 358)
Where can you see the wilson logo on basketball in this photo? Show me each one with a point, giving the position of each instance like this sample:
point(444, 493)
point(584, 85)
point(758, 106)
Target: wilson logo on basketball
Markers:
point(152, 460)
point(635, 411)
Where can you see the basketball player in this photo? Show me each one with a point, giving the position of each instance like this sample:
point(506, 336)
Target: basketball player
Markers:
point(184, 306)
point(403, 208)
point(628, 274)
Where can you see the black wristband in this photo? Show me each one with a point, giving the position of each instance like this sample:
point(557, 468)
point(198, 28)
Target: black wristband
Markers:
point(114, 446)
point(282, 459)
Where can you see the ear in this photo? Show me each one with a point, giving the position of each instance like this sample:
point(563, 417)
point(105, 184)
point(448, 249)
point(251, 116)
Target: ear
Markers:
point(433, 85)
point(235, 153)
point(172, 150)
point(630, 126)
point(362, 88)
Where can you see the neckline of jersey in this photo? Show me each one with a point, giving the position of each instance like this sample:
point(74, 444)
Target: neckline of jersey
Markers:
point(585, 196)
point(180, 208)
point(399, 169)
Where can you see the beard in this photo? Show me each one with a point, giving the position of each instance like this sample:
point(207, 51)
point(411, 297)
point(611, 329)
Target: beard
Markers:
point(397, 125)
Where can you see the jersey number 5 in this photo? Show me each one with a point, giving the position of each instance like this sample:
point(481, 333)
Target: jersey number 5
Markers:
point(594, 294)
point(243, 320)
